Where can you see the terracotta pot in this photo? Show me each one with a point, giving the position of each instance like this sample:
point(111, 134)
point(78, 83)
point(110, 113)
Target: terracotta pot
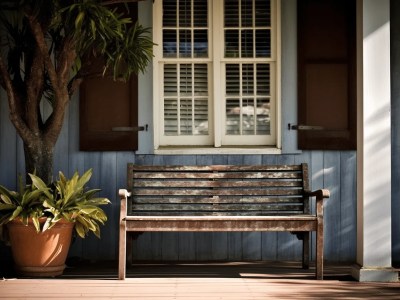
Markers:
point(40, 254)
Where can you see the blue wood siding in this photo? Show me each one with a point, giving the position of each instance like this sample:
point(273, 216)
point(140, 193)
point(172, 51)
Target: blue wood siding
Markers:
point(329, 169)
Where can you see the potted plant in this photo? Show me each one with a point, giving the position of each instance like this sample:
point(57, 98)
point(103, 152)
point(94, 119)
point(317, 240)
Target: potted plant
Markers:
point(40, 219)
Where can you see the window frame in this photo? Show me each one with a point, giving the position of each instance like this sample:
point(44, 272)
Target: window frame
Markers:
point(216, 63)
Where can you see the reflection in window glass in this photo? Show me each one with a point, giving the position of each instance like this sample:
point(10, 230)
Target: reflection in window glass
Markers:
point(200, 43)
point(248, 102)
point(201, 116)
point(263, 43)
point(185, 43)
point(169, 43)
point(232, 43)
point(263, 119)
point(248, 114)
point(232, 116)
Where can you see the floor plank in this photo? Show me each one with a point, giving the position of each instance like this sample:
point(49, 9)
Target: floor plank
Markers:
point(252, 281)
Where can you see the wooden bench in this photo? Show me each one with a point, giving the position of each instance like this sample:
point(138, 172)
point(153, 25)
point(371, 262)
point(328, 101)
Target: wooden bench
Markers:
point(221, 198)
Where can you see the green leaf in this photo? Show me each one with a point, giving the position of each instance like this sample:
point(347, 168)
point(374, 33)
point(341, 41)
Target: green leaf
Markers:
point(79, 228)
point(36, 223)
point(16, 213)
point(47, 224)
point(40, 185)
point(6, 206)
point(5, 199)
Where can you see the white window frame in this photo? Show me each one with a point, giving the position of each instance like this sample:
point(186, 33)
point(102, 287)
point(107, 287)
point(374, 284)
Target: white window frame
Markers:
point(214, 143)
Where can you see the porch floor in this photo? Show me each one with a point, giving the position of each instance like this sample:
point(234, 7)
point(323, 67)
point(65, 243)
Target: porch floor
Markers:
point(255, 280)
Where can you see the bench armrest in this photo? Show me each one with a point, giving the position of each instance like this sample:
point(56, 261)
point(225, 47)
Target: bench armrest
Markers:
point(320, 195)
point(123, 194)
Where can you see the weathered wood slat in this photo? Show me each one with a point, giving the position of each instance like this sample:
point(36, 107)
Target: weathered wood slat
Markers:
point(216, 192)
point(177, 208)
point(226, 225)
point(216, 213)
point(219, 168)
point(215, 175)
point(213, 183)
point(215, 199)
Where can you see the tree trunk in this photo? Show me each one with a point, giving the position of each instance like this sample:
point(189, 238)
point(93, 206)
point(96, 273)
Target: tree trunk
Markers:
point(39, 159)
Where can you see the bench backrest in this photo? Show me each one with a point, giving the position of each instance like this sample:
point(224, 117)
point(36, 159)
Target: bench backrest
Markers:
point(218, 190)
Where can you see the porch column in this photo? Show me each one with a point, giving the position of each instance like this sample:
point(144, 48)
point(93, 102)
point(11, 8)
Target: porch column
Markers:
point(374, 237)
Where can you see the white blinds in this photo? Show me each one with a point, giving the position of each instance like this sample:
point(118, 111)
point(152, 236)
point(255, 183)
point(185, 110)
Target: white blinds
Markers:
point(186, 108)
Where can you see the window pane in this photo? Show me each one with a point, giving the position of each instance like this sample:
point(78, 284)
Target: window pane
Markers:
point(186, 116)
point(248, 79)
point(170, 117)
point(200, 16)
point(170, 80)
point(232, 79)
point(200, 80)
point(248, 115)
point(263, 43)
point(263, 13)
point(169, 13)
point(232, 43)
point(263, 79)
point(185, 85)
point(185, 12)
point(231, 13)
point(232, 117)
point(247, 13)
point(200, 43)
point(263, 118)
point(169, 43)
point(247, 43)
point(201, 116)
point(185, 43)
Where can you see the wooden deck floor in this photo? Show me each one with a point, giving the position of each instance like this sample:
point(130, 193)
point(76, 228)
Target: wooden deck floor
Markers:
point(198, 281)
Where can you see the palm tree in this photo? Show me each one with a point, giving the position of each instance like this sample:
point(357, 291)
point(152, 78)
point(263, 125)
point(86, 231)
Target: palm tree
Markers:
point(45, 49)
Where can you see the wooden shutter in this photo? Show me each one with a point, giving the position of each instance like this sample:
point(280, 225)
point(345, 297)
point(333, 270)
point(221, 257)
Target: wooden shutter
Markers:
point(108, 113)
point(327, 74)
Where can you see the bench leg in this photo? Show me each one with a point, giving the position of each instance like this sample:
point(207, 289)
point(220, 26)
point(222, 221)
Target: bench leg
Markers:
point(129, 245)
point(319, 260)
point(122, 252)
point(306, 250)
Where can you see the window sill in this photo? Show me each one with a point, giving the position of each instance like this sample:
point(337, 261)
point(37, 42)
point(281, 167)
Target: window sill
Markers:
point(213, 150)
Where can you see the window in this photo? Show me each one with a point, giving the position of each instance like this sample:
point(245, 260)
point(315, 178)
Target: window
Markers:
point(215, 73)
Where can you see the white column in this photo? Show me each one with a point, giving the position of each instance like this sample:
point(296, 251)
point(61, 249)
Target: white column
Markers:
point(374, 245)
